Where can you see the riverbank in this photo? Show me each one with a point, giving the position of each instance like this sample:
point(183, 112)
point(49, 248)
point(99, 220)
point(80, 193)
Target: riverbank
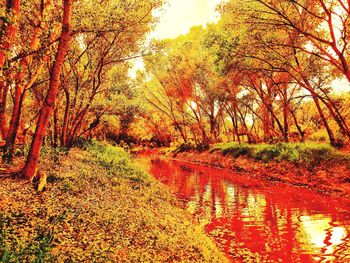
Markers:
point(98, 207)
point(314, 166)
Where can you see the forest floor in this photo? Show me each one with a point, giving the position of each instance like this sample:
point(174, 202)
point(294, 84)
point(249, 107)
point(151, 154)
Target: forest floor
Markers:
point(97, 207)
point(314, 166)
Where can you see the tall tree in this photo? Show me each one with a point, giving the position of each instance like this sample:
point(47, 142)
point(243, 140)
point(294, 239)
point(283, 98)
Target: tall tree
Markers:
point(49, 104)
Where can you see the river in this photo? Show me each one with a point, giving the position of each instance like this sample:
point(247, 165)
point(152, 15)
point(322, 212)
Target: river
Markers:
point(257, 221)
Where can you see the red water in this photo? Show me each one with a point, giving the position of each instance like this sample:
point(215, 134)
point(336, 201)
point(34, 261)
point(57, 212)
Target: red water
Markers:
point(256, 221)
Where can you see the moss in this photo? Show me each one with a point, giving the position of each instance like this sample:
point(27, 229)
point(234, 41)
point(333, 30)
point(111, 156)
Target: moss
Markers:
point(99, 207)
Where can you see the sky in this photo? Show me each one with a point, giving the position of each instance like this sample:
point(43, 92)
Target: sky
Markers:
point(177, 17)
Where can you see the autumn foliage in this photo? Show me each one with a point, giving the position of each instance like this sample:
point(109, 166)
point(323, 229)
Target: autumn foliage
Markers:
point(99, 207)
point(267, 71)
point(57, 63)
point(268, 81)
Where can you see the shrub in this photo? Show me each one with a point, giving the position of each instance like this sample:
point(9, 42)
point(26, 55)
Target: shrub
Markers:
point(314, 154)
point(184, 147)
point(276, 152)
point(116, 161)
point(308, 153)
point(239, 150)
point(222, 146)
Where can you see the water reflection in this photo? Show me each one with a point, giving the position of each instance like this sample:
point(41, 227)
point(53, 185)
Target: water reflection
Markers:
point(255, 221)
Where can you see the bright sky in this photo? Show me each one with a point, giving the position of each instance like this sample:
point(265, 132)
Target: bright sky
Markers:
point(177, 17)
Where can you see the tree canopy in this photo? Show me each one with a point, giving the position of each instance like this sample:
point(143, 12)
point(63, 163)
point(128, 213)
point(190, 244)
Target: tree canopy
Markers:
point(265, 72)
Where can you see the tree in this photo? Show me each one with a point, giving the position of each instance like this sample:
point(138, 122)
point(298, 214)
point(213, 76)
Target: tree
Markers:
point(9, 28)
point(48, 107)
point(80, 72)
point(22, 85)
point(322, 23)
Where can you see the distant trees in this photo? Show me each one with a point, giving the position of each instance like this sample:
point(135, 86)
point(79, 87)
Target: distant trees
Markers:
point(258, 67)
point(189, 91)
point(314, 44)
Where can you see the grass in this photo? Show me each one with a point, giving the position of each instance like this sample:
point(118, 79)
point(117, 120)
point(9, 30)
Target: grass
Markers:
point(98, 207)
point(307, 153)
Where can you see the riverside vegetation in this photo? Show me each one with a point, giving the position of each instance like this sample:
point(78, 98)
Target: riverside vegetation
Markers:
point(98, 207)
point(318, 166)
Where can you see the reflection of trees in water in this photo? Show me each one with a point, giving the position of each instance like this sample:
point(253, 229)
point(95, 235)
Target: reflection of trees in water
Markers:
point(251, 224)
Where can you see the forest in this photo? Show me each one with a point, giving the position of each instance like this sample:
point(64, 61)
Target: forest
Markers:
point(264, 89)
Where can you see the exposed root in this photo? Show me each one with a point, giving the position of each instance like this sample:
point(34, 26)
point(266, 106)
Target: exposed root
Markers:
point(10, 172)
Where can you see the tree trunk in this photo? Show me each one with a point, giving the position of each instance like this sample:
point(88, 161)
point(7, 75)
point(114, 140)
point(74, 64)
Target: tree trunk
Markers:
point(330, 133)
point(6, 42)
point(55, 128)
point(266, 124)
point(315, 98)
point(14, 124)
point(337, 116)
point(3, 122)
point(49, 103)
point(286, 112)
point(235, 127)
point(177, 125)
point(20, 90)
point(245, 129)
point(301, 132)
point(66, 119)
